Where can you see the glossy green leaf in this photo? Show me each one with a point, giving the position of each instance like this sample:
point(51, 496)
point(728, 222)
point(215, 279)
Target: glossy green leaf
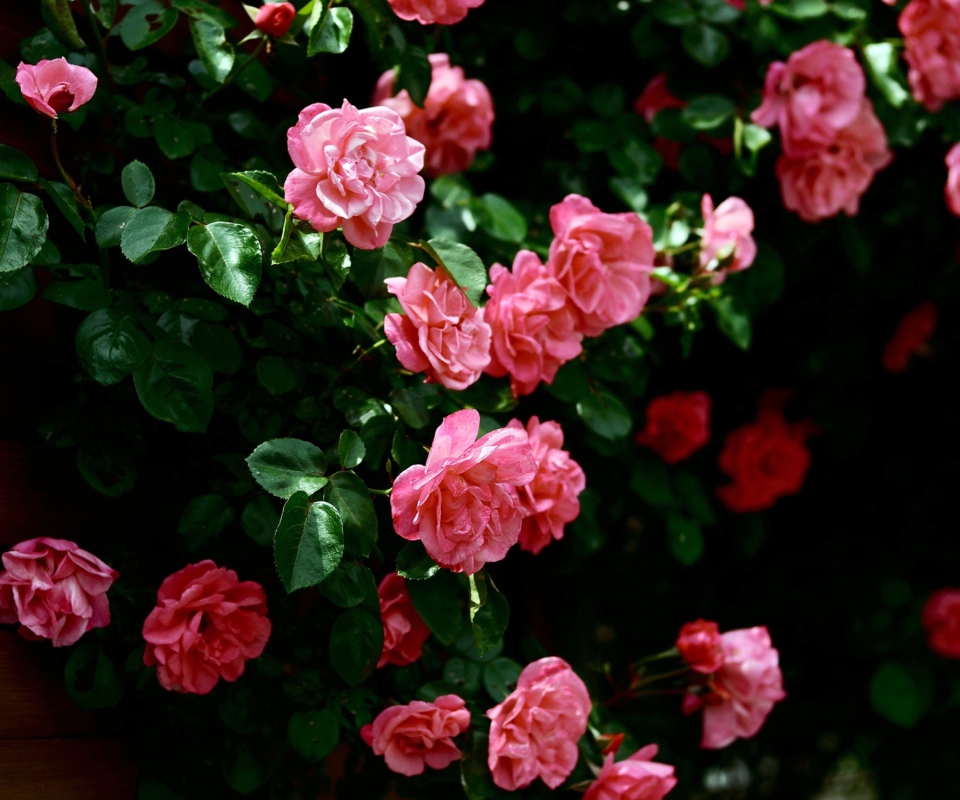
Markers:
point(104, 690)
point(309, 542)
point(230, 259)
point(145, 23)
point(276, 375)
point(111, 223)
point(57, 14)
point(414, 564)
point(215, 52)
point(733, 322)
point(16, 166)
point(439, 602)
point(313, 734)
point(881, 58)
point(152, 229)
point(174, 138)
point(351, 450)
point(263, 183)
point(705, 44)
point(203, 519)
point(500, 677)
point(605, 415)
point(105, 11)
point(708, 111)
point(489, 612)
point(17, 288)
point(286, 466)
point(174, 384)
point(259, 520)
point(332, 34)
point(462, 264)
point(111, 346)
point(351, 585)
point(86, 294)
point(414, 74)
point(684, 538)
point(63, 198)
point(138, 184)
point(352, 499)
point(900, 694)
point(218, 346)
point(504, 222)
point(356, 642)
point(23, 227)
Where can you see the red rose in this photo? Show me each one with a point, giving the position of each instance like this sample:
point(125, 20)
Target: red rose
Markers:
point(404, 632)
point(678, 425)
point(275, 19)
point(700, 646)
point(910, 337)
point(941, 621)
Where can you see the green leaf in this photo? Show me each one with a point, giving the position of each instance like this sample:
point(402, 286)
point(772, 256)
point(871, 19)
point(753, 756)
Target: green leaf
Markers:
point(708, 111)
point(17, 288)
point(900, 694)
point(110, 225)
point(86, 294)
point(16, 166)
point(351, 449)
point(263, 183)
point(692, 498)
point(201, 9)
point(23, 227)
point(605, 415)
point(173, 137)
point(414, 564)
point(105, 12)
point(800, 9)
point(462, 264)
point(151, 229)
point(352, 499)
point(203, 519)
point(103, 690)
point(489, 612)
point(650, 480)
point(438, 601)
point(677, 13)
point(63, 198)
point(499, 678)
point(350, 585)
point(504, 222)
point(255, 80)
point(369, 268)
point(215, 52)
point(111, 345)
point(230, 259)
point(218, 346)
point(356, 643)
point(313, 734)
point(414, 74)
point(56, 13)
point(175, 385)
point(705, 44)
point(259, 520)
point(275, 375)
point(684, 538)
point(733, 322)
point(145, 23)
point(243, 769)
point(309, 542)
point(332, 35)
point(106, 463)
point(286, 466)
point(881, 58)
point(138, 185)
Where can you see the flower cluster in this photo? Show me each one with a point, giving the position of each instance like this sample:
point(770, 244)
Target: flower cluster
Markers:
point(932, 49)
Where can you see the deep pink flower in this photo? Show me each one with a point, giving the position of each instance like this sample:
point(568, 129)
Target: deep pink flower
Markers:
point(678, 424)
point(833, 179)
point(534, 732)
point(603, 261)
point(55, 87)
point(911, 336)
point(656, 96)
point(952, 189)
point(419, 734)
point(206, 626)
point(726, 237)
point(455, 121)
point(636, 778)
point(818, 91)
point(441, 334)
point(356, 169)
point(551, 498)
point(941, 621)
point(426, 12)
point(55, 590)
point(275, 19)
point(534, 325)
point(700, 646)
point(931, 35)
point(404, 632)
point(463, 503)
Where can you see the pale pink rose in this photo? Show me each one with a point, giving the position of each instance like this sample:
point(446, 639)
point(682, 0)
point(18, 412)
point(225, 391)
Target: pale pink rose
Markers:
point(952, 189)
point(441, 334)
point(534, 732)
point(818, 91)
point(55, 590)
point(535, 327)
point(426, 12)
point(636, 778)
point(726, 237)
point(833, 179)
point(356, 169)
point(419, 734)
point(463, 503)
point(404, 632)
point(603, 261)
point(455, 121)
point(931, 35)
point(551, 498)
point(55, 87)
point(206, 626)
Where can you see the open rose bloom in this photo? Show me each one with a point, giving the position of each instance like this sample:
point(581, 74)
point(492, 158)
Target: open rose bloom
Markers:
point(678, 424)
point(54, 87)
point(404, 632)
point(55, 590)
point(638, 777)
point(206, 625)
point(534, 732)
point(951, 190)
point(941, 621)
point(419, 734)
point(428, 12)
point(931, 35)
point(727, 242)
point(354, 168)
point(463, 504)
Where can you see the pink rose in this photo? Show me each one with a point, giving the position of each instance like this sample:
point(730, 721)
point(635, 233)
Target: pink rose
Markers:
point(535, 327)
point(603, 261)
point(700, 646)
point(463, 503)
point(941, 621)
point(454, 122)
point(534, 732)
point(206, 626)
point(833, 179)
point(818, 91)
point(55, 590)
point(952, 189)
point(275, 19)
point(931, 35)
point(55, 87)
point(403, 631)
point(354, 168)
point(726, 237)
point(426, 12)
point(550, 498)
point(636, 778)
point(419, 734)
point(441, 334)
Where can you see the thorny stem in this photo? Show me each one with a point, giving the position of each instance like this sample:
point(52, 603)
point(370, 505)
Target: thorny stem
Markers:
point(63, 173)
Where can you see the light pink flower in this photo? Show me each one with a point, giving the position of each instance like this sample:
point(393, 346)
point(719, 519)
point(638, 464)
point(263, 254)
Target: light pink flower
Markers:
point(463, 503)
point(636, 778)
point(952, 189)
point(206, 626)
point(404, 632)
point(275, 18)
point(534, 732)
point(534, 325)
point(551, 498)
point(55, 87)
point(455, 121)
point(419, 734)
point(356, 169)
point(818, 91)
point(55, 590)
point(931, 35)
point(603, 261)
point(726, 237)
point(426, 12)
point(442, 334)
point(833, 179)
